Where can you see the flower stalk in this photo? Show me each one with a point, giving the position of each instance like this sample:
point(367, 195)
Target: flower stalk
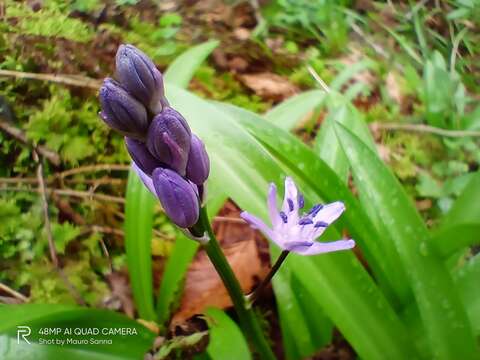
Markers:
point(248, 319)
point(255, 294)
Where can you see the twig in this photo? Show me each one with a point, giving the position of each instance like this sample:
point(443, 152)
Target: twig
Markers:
point(73, 80)
point(92, 168)
point(424, 129)
point(377, 48)
point(30, 180)
point(18, 134)
point(51, 243)
point(43, 195)
point(318, 79)
point(14, 293)
point(229, 219)
point(72, 193)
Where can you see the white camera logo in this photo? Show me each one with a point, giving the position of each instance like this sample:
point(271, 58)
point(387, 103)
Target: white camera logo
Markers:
point(23, 331)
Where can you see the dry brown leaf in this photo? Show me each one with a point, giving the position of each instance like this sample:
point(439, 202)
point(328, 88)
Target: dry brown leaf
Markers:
point(121, 292)
point(269, 86)
point(203, 286)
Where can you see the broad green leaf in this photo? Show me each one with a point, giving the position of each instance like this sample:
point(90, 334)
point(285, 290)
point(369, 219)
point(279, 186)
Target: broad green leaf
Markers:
point(182, 69)
point(138, 236)
point(466, 283)
point(319, 325)
point(297, 338)
point(317, 179)
point(290, 112)
point(326, 143)
point(62, 317)
point(357, 310)
point(351, 299)
point(226, 339)
point(443, 315)
point(467, 280)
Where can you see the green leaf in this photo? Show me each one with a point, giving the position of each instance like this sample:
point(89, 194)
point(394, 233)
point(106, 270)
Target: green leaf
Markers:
point(138, 237)
point(449, 336)
point(351, 299)
point(181, 70)
point(39, 316)
point(466, 279)
point(466, 283)
point(326, 143)
point(297, 338)
point(290, 112)
point(226, 339)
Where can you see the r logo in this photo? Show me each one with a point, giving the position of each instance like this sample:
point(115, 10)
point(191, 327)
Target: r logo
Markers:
point(23, 331)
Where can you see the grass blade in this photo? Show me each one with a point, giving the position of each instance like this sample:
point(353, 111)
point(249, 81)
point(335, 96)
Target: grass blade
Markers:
point(290, 112)
point(182, 69)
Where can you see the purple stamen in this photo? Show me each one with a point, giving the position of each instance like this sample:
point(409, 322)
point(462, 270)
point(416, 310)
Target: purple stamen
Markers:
point(284, 217)
point(301, 201)
point(294, 244)
point(321, 224)
point(314, 210)
point(305, 221)
point(290, 204)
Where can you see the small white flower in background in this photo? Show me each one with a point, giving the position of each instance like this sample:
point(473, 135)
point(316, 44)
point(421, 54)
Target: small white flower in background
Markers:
point(294, 232)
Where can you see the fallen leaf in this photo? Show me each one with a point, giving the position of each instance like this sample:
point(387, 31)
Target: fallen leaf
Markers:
point(269, 86)
point(121, 292)
point(203, 286)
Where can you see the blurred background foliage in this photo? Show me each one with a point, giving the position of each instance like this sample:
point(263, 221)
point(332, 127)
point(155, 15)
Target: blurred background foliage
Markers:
point(408, 70)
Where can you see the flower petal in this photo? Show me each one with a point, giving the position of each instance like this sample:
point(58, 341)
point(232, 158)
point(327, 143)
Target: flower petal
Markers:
point(291, 193)
point(147, 180)
point(320, 248)
point(257, 223)
point(329, 213)
point(272, 206)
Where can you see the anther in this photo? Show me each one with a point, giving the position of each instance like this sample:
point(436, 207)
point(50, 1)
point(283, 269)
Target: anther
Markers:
point(321, 224)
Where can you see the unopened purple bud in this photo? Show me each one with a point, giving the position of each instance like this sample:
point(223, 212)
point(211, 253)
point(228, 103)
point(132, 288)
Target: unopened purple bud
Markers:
point(121, 111)
point(178, 197)
point(168, 139)
point(142, 157)
point(198, 165)
point(138, 74)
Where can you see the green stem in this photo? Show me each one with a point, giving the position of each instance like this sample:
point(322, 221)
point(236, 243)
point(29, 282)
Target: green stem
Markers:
point(248, 319)
point(252, 297)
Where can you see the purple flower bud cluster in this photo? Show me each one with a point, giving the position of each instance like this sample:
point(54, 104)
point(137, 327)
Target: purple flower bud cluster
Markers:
point(171, 161)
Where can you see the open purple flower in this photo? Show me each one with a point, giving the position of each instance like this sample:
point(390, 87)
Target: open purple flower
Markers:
point(294, 232)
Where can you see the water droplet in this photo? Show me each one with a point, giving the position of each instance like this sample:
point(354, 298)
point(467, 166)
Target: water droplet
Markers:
point(424, 251)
